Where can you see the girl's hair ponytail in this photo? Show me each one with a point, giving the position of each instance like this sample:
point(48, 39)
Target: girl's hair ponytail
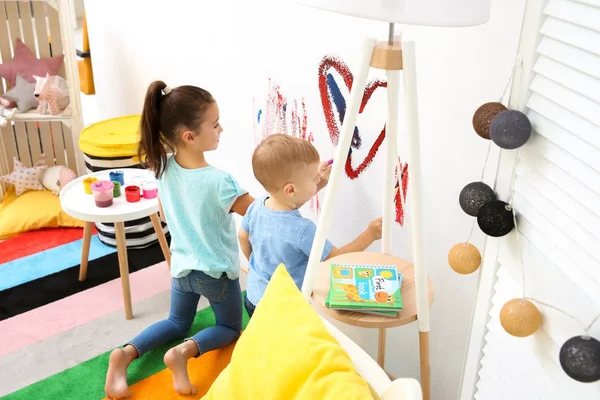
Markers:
point(153, 146)
point(165, 113)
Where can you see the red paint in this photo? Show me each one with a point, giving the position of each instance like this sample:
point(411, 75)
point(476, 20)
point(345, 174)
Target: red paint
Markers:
point(397, 202)
point(132, 193)
point(327, 63)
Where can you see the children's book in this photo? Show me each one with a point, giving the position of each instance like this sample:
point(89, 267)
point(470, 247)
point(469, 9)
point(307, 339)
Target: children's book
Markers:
point(372, 289)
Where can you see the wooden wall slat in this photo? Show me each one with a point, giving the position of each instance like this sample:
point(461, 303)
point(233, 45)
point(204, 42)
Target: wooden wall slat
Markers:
point(47, 145)
point(41, 31)
point(68, 140)
point(22, 143)
point(27, 26)
point(13, 21)
point(5, 52)
point(56, 38)
point(34, 141)
point(59, 146)
point(4, 169)
point(10, 146)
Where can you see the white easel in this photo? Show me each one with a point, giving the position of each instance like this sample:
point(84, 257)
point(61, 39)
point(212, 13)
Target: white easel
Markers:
point(392, 56)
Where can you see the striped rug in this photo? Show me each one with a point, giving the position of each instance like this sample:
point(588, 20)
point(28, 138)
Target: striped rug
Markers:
point(56, 333)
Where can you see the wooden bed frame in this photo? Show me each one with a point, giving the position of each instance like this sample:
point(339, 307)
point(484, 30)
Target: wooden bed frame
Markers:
point(45, 26)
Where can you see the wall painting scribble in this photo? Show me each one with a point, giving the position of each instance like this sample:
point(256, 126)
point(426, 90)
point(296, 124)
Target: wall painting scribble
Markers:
point(282, 115)
point(331, 95)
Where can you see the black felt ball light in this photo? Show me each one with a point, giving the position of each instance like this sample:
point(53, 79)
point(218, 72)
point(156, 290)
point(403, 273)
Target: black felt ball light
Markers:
point(475, 195)
point(580, 358)
point(495, 218)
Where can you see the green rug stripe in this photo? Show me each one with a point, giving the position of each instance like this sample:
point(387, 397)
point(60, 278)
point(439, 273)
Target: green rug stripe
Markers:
point(86, 380)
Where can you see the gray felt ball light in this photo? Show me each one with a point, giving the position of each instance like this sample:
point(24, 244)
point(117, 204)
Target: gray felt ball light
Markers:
point(510, 129)
point(473, 196)
point(495, 218)
point(580, 358)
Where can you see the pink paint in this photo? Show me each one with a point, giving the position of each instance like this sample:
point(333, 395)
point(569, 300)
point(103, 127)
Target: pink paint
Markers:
point(103, 193)
point(149, 190)
point(41, 323)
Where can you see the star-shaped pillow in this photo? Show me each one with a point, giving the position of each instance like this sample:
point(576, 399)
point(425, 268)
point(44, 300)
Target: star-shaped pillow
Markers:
point(22, 94)
point(25, 178)
point(26, 64)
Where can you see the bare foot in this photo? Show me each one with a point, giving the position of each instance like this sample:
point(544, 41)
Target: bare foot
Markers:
point(116, 377)
point(176, 360)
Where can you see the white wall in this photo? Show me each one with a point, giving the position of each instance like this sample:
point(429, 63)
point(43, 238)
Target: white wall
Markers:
point(231, 47)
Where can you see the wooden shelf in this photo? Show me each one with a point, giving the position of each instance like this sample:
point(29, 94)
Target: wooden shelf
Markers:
point(409, 301)
point(33, 115)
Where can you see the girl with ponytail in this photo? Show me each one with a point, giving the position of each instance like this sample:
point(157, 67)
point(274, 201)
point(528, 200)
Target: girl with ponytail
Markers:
point(197, 201)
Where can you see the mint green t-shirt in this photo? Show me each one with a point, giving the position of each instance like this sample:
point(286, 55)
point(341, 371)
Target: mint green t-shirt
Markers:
point(197, 205)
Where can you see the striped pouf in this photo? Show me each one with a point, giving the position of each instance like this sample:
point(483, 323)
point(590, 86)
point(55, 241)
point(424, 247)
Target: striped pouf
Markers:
point(112, 144)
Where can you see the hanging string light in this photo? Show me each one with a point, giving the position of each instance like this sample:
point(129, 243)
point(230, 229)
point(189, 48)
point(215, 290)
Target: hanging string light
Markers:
point(579, 356)
point(520, 317)
point(465, 258)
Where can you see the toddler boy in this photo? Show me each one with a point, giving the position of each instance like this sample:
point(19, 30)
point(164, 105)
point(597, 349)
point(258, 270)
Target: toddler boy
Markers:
point(273, 230)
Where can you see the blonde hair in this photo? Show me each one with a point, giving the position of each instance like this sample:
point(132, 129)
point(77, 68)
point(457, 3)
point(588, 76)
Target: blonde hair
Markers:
point(278, 156)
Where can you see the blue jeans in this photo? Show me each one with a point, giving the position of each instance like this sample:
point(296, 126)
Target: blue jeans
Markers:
point(224, 296)
point(248, 305)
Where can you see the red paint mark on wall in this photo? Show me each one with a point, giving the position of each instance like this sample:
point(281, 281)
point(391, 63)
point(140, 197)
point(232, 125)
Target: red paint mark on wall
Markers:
point(401, 176)
point(331, 96)
point(334, 104)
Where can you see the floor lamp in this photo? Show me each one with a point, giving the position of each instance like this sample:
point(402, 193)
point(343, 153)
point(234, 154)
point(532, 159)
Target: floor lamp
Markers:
point(393, 56)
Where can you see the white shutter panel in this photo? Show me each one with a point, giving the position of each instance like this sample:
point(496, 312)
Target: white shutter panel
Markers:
point(557, 199)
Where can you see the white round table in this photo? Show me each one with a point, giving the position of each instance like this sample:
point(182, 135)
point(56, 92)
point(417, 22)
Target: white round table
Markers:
point(78, 204)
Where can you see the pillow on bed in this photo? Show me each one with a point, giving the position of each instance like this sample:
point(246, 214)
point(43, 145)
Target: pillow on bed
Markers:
point(286, 352)
point(30, 211)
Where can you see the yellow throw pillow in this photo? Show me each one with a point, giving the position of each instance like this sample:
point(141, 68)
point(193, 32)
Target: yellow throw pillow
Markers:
point(287, 353)
point(30, 211)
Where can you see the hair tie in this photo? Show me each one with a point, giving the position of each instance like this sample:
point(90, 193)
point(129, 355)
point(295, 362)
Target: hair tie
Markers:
point(167, 90)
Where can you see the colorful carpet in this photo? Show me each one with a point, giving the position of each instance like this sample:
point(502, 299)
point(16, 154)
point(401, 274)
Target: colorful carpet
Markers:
point(56, 333)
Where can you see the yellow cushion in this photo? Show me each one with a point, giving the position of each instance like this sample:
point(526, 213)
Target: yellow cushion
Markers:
point(30, 211)
point(287, 353)
point(116, 137)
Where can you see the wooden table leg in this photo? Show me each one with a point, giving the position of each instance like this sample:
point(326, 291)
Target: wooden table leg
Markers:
point(85, 249)
point(123, 267)
point(162, 240)
point(425, 366)
point(381, 348)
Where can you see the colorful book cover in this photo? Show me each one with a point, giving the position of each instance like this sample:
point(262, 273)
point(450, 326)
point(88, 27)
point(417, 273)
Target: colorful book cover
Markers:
point(365, 288)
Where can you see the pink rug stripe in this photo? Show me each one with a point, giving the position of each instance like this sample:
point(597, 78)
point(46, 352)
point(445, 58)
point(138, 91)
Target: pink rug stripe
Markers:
point(81, 308)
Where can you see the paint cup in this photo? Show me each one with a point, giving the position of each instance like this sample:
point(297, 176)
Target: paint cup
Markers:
point(116, 189)
point(103, 193)
point(138, 180)
point(149, 189)
point(132, 193)
point(117, 176)
point(87, 184)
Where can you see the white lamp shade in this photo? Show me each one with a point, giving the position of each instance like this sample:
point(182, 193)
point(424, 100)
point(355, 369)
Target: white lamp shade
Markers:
point(449, 13)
